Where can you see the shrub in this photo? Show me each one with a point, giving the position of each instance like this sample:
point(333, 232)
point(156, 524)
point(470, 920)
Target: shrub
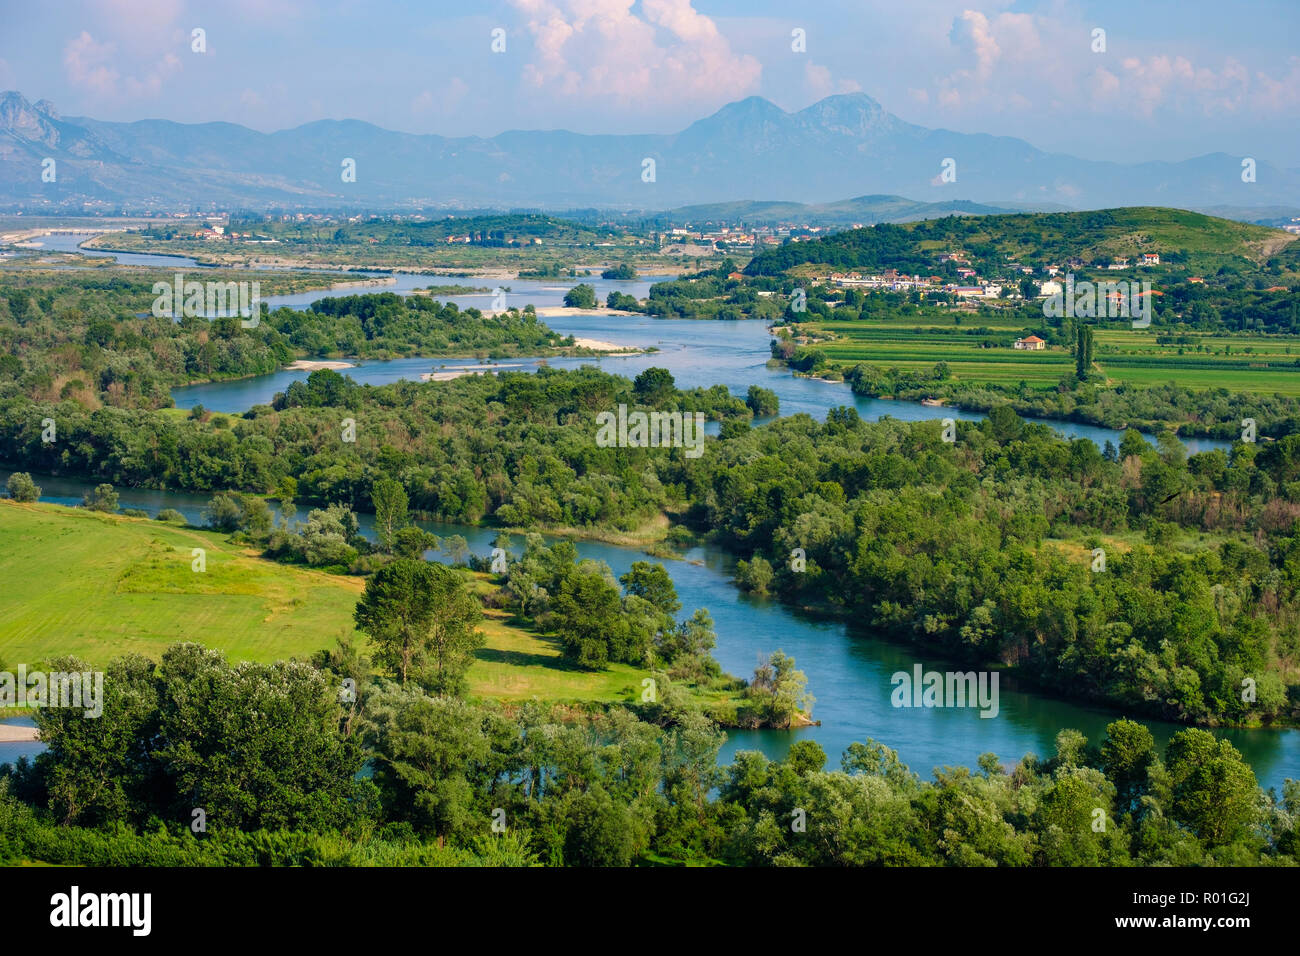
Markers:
point(22, 488)
point(103, 498)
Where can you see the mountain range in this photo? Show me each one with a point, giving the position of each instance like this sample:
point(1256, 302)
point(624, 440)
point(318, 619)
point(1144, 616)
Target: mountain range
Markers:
point(861, 210)
point(845, 145)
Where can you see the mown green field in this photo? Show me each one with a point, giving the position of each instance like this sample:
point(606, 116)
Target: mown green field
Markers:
point(99, 586)
point(1261, 364)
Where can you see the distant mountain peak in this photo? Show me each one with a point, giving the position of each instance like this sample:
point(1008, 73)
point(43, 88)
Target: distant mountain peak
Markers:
point(855, 114)
point(25, 121)
point(857, 100)
point(842, 145)
point(750, 113)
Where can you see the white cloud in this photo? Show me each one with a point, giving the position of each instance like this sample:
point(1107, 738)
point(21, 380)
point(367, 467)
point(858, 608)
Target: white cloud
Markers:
point(84, 60)
point(87, 63)
point(1021, 62)
point(601, 50)
point(973, 32)
point(1280, 94)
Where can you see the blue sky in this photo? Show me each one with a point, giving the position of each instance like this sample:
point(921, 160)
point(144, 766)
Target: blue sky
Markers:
point(1176, 79)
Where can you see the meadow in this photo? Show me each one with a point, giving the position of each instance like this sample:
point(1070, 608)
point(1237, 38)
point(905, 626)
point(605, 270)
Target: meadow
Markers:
point(99, 586)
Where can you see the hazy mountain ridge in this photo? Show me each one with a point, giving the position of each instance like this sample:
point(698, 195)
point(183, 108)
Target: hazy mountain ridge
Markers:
point(845, 145)
point(864, 210)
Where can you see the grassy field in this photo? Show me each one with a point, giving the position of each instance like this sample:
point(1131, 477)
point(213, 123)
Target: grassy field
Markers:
point(99, 586)
point(979, 351)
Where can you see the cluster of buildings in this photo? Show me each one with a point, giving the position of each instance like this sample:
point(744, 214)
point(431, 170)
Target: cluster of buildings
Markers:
point(1145, 260)
point(467, 239)
point(969, 285)
point(894, 281)
point(724, 237)
point(219, 232)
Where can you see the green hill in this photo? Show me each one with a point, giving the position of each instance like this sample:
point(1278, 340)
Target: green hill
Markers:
point(860, 209)
point(1184, 240)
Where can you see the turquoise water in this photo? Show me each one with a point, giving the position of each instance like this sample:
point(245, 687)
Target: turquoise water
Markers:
point(849, 673)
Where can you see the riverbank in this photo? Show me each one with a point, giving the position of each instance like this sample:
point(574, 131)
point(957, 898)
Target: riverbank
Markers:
point(315, 365)
point(17, 733)
point(651, 532)
point(455, 373)
point(596, 345)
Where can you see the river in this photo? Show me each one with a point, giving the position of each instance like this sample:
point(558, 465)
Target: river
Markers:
point(847, 673)
point(71, 242)
point(697, 352)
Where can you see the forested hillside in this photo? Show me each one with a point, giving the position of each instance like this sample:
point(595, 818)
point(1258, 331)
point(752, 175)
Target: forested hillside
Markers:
point(1187, 240)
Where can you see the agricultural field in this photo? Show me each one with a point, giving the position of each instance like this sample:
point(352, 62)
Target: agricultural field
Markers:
point(980, 351)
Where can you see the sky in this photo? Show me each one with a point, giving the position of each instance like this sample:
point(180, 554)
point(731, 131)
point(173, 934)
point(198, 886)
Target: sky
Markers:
point(1167, 79)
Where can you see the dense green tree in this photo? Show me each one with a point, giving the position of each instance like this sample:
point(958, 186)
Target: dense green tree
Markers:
point(763, 402)
point(599, 830)
point(1215, 794)
point(1128, 755)
point(453, 637)
point(224, 511)
point(412, 542)
point(252, 745)
point(586, 614)
point(397, 612)
point(653, 386)
point(98, 769)
point(652, 582)
point(580, 296)
point(391, 516)
point(21, 487)
point(1083, 352)
point(426, 751)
